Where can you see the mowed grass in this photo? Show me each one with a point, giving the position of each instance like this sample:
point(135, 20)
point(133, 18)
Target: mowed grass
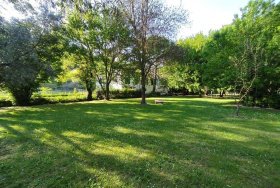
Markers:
point(187, 142)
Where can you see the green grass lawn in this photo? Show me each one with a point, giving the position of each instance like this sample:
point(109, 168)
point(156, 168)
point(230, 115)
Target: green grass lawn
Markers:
point(185, 142)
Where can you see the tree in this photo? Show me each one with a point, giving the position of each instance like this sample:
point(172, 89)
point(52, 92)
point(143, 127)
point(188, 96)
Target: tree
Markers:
point(246, 68)
point(218, 73)
point(75, 68)
point(148, 18)
point(24, 61)
point(111, 46)
point(184, 72)
point(160, 50)
point(252, 35)
point(81, 32)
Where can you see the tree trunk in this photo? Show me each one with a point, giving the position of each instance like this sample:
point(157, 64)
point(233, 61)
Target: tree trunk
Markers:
point(154, 84)
point(155, 80)
point(89, 86)
point(143, 85)
point(237, 108)
point(200, 93)
point(22, 96)
point(89, 96)
point(222, 93)
point(107, 91)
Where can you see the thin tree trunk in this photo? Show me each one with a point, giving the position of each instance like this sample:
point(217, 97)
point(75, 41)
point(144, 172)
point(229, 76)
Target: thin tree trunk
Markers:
point(143, 85)
point(107, 91)
point(237, 108)
point(155, 79)
point(89, 90)
point(154, 86)
point(199, 93)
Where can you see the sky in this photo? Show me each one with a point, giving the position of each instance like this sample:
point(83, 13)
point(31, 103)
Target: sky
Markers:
point(204, 15)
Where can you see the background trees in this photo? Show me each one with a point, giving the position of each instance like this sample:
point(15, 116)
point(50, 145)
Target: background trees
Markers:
point(185, 73)
point(133, 41)
point(218, 73)
point(239, 56)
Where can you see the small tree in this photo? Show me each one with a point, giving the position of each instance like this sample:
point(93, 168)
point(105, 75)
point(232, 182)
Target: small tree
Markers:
point(250, 35)
point(246, 69)
point(76, 68)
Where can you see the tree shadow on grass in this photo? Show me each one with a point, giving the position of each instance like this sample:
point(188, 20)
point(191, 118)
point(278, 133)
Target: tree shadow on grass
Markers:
point(125, 144)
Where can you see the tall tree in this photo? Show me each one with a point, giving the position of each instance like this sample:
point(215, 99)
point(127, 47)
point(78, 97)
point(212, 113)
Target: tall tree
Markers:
point(81, 32)
point(30, 50)
point(111, 46)
point(218, 73)
point(149, 18)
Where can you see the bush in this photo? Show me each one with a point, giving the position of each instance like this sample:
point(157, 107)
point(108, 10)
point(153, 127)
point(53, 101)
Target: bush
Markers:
point(39, 99)
point(5, 103)
point(58, 98)
point(154, 94)
point(54, 100)
point(272, 101)
point(120, 94)
point(180, 91)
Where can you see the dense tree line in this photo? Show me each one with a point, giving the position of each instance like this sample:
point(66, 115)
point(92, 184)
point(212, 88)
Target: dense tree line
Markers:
point(98, 39)
point(102, 41)
point(242, 57)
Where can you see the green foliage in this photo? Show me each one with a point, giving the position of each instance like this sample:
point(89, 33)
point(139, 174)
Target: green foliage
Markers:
point(186, 72)
point(45, 90)
point(218, 72)
point(111, 47)
point(120, 94)
point(46, 97)
point(81, 31)
point(257, 28)
point(105, 41)
point(23, 62)
point(182, 76)
point(53, 98)
point(242, 56)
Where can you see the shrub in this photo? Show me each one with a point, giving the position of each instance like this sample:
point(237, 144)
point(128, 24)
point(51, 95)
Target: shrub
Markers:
point(154, 94)
point(5, 103)
point(120, 94)
point(39, 99)
point(58, 98)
